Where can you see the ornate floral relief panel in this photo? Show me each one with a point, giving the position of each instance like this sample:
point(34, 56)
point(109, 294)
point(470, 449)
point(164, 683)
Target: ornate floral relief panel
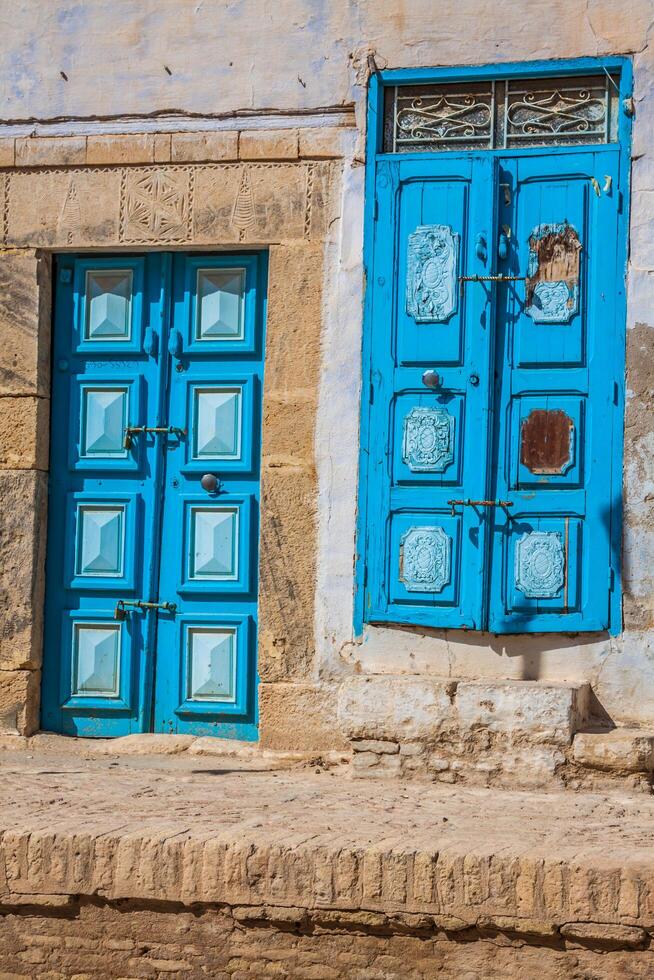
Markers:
point(432, 265)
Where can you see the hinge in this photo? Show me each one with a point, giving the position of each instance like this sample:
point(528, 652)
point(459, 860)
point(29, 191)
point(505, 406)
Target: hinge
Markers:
point(375, 210)
point(616, 393)
point(611, 578)
point(620, 201)
point(371, 394)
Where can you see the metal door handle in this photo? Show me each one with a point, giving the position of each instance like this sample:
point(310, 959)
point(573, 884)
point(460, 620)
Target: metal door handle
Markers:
point(431, 379)
point(175, 344)
point(121, 611)
point(150, 342)
point(210, 483)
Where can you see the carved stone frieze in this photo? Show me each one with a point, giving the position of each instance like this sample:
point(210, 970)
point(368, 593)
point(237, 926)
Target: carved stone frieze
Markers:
point(204, 204)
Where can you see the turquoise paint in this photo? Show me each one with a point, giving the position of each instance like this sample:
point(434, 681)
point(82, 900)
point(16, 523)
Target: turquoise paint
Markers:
point(576, 368)
point(135, 522)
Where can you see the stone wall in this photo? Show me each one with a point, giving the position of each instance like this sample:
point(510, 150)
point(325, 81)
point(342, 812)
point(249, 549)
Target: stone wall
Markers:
point(274, 189)
point(277, 107)
point(144, 940)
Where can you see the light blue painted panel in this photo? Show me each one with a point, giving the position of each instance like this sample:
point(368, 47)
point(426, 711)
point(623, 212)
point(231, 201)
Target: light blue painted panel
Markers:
point(101, 541)
point(212, 658)
point(217, 423)
point(109, 305)
point(96, 660)
point(105, 412)
point(220, 305)
point(214, 537)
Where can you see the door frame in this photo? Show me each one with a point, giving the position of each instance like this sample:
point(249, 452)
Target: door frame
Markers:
point(378, 82)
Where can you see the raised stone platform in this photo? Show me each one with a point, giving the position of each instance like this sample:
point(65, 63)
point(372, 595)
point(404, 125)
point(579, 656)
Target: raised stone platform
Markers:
point(193, 865)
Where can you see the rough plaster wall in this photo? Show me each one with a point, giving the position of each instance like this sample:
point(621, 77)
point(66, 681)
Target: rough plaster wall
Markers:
point(621, 670)
point(226, 55)
point(301, 55)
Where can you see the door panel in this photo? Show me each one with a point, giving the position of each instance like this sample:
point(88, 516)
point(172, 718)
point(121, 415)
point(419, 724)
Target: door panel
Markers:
point(173, 344)
point(206, 653)
point(551, 557)
point(428, 443)
point(103, 504)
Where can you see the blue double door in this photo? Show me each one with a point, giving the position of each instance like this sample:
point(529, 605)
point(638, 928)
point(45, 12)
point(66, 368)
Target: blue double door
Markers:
point(151, 592)
point(493, 423)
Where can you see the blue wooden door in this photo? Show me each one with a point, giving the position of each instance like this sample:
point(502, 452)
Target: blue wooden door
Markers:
point(495, 370)
point(206, 667)
point(559, 364)
point(429, 392)
point(153, 504)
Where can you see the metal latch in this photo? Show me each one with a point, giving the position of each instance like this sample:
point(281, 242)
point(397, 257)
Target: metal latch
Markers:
point(479, 503)
point(134, 430)
point(121, 609)
point(500, 278)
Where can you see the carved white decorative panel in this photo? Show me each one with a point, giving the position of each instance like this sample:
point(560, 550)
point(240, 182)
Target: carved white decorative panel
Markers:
point(214, 543)
point(104, 418)
point(220, 304)
point(425, 555)
point(100, 541)
point(108, 305)
point(540, 564)
point(211, 663)
point(217, 429)
point(428, 443)
point(432, 269)
point(96, 660)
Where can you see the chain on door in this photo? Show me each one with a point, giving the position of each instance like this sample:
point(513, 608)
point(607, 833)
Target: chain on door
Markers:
point(154, 493)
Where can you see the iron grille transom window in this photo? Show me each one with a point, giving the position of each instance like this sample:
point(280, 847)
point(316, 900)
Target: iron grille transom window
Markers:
point(501, 114)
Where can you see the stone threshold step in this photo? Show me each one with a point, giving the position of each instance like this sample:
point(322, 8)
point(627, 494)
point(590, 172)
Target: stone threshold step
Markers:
point(202, 831)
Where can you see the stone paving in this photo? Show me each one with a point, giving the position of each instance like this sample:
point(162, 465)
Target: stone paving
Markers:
point(252, 832)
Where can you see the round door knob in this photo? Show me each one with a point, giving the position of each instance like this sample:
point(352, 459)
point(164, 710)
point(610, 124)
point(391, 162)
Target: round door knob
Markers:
point(209, 482)
point(431, 379)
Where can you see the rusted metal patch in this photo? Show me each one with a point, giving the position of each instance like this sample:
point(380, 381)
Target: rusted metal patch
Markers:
point(552, 283)
point(546, 441)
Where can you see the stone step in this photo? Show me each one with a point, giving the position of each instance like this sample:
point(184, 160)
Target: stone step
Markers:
point(520, 734)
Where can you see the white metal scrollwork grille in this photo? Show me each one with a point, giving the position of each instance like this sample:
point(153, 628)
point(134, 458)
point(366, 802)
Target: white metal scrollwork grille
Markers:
point(500, 114)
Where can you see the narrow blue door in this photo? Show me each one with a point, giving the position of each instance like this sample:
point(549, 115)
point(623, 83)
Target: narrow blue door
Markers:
point(206, 665)
point(429, 392)
point(104, 498)
point(558, 368)
point(153, 506)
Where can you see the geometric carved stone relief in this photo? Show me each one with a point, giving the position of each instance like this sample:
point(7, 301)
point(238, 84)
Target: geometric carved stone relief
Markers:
point(425, 559)
point(540, 564)
point(552, 284)
point(156, 205)
point(428, 443)
point(208, 203)
point(432, 263)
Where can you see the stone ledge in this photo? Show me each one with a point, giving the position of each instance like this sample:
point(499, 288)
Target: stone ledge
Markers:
point(620, 750)
point(199, 146)
point(370, 854)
